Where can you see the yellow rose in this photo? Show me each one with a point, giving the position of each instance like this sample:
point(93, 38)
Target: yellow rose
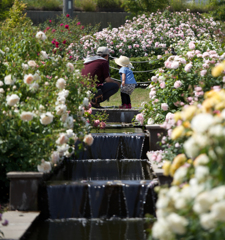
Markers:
point(177, 132)
point(172, 170)
point(189, 112)
point(217, 70)
point(220, 106)
point(166, 168)
point(179, 160)
point(177, 116)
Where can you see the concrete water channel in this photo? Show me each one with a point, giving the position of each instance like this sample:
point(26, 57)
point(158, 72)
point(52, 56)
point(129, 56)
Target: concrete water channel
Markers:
point(105, 192)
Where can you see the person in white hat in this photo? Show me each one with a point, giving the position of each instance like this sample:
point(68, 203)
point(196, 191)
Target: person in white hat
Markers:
point(128, 81)
point(98, 66)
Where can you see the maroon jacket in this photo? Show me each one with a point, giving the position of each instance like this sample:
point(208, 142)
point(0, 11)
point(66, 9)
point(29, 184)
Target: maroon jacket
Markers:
point(99, 68)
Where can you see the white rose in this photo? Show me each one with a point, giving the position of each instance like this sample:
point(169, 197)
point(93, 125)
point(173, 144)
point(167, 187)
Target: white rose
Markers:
point(2, 90)
point(218, 210)
point(64, 93)
point(201, 122)
point(216, 131)
point(55, 157)
point(207, 220)
point(219, 193)
point(69, 152)
point(161, 230)
point(60, 109)
point(202, 159)
point(46, 118)
point(180, 174)
point(28, 79)
point(203, 202)
point(12, 100)
point(8, 80)
point(177, 223)
point(61, 83)
point(1, 83)
point(32, 63)
point(68, 123)
point(191, 148)
point(162, 202)
point(41, 35)
point(70, 67)
point(34, 87)
point(150, 121)
point(44, 166)
point(201, 172)
point(26, 116)
point(62, 139)
point(88, 139)
point(62, 148)
point(180, 203)
point(44, 55)
point(71, 134)
point(86, 102)
point(64, 117)
point(88, 94)
point(25, 66)
point(37, 77)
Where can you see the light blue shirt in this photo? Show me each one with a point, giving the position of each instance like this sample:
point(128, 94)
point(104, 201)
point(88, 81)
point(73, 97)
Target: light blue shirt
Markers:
point(129, 75)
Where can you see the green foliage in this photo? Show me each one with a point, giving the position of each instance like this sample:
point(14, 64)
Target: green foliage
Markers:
point(53, 5)
point(5, 5)
point(145, 64)
point(16, 16)
point(143, 6)
point(219, 10)
point(109, 4)
point(88, 5)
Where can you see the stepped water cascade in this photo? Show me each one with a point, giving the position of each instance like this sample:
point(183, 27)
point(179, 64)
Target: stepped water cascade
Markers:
point(102, 193)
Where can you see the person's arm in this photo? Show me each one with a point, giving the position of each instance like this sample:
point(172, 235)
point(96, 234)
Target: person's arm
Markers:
point(123, 79)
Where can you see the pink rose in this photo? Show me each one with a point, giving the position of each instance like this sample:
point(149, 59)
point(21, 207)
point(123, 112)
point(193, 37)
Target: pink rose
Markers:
point(140, 118)
point(188, 67)
point(177, 84)
point(88, 139)
point(164, 106)
point(96, 123)
point(203, 73)
point(191, 45)
point(102, 125)
point(175, 65)
point(162, 84)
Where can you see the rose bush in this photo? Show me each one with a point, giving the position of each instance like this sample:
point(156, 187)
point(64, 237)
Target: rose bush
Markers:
point(42, 100)
point(193, 207)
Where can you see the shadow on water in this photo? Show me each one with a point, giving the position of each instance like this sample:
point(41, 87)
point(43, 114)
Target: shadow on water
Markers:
point(94, 229)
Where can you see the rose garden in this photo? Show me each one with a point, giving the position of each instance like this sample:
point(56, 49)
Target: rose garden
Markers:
point(47, 120)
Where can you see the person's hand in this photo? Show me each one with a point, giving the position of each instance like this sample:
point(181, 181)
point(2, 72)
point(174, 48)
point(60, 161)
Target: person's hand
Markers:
point(123, 83)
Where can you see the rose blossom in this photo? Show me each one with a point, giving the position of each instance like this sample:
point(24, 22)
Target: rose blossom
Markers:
point(102, 125)
point(175, 65)
point(62, 139)
point(12, 100)
point(60, 109)
point(203, 73)
point(164, 106)
point(26, 116)
point(25, 66)
point(40, 35)
point(70, 67)
point(69, 122)
point(32, 63)
point(28, 79)
point(96, 123)
point(177, 84)
point(55, 157)
point(44, 166)
point(8, 80)
point(162, 84)
point(191, 45)
point(140, 118)
point(188, 67)
point(88, 139)
point(46, 118)
point(61, 83)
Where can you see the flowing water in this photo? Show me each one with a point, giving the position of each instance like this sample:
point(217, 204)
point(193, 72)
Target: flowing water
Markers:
point(103, 193)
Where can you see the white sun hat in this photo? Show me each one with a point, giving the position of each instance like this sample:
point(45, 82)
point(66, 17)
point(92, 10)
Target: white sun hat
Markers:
point(123, 62)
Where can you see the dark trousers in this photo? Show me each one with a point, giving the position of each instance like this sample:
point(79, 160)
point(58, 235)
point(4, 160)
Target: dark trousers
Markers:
point(125, 98)
point(108, 89)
